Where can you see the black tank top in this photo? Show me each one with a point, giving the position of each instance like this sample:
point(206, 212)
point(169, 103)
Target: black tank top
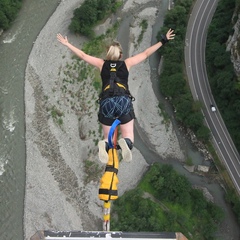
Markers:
point(122, 73)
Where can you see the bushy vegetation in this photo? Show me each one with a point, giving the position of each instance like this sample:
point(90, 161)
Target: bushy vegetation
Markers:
point(224, 83)
point(173, 82)
point(165, 201)
point(234, 200)
point(90, 13)
point(8, 12)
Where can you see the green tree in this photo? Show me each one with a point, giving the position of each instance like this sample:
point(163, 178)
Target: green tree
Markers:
point(172, 85)
point(156, 224)
point(103, 7)
point(89, 14)
point(203, 133)
point(177, 16)
point(221, 59)
point(4, 23)
point(184, 3)
point(194, 120)
point(8, 12)
point(171, 67)
point(198, 202)
point(183, 107)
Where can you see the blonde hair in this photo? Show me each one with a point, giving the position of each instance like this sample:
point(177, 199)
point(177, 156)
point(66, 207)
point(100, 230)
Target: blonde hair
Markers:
point(114, 51)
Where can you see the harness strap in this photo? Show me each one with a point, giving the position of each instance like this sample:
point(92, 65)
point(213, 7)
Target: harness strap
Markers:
point(113, 77)
point(119, 84)
point(109, 192)
point(115, 87)
point(111, 169)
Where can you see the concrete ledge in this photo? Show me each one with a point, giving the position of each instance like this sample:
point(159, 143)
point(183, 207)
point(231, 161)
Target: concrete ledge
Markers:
point(86, 235)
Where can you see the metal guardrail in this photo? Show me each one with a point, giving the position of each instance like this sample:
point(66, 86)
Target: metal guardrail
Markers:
point(86, 235)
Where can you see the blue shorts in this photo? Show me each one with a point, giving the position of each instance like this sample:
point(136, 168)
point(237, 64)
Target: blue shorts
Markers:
point(117, 107)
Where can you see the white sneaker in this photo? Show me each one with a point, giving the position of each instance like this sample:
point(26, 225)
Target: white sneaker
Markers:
point(102, 153)
point(126, 152)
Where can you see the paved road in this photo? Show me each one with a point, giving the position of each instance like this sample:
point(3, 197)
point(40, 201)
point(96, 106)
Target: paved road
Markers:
point(196, 70)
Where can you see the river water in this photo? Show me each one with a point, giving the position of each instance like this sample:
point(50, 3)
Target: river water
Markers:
point(15, 46)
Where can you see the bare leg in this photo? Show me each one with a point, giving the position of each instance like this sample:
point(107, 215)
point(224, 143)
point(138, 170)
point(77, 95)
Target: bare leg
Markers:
point(105, 131)
point(127, 130)
point(102, 146)
point(127, 140)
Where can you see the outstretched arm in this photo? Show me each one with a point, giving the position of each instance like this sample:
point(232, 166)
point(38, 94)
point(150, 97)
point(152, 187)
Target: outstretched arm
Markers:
point(97, 62)
point(145, 54)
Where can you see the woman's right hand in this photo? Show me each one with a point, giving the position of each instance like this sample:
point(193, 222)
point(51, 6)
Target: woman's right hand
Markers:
point(62, 39)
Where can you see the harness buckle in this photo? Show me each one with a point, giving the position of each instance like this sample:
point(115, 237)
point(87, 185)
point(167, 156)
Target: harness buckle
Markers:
point(113, 68)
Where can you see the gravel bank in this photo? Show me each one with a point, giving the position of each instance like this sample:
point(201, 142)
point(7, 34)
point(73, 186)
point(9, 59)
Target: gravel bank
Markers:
point(62, 168)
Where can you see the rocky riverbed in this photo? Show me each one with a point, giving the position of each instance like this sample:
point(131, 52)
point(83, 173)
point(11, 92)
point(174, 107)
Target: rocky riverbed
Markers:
point(62, 168)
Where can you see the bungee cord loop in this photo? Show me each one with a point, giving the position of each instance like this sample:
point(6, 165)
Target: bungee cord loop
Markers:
point(108, 183)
